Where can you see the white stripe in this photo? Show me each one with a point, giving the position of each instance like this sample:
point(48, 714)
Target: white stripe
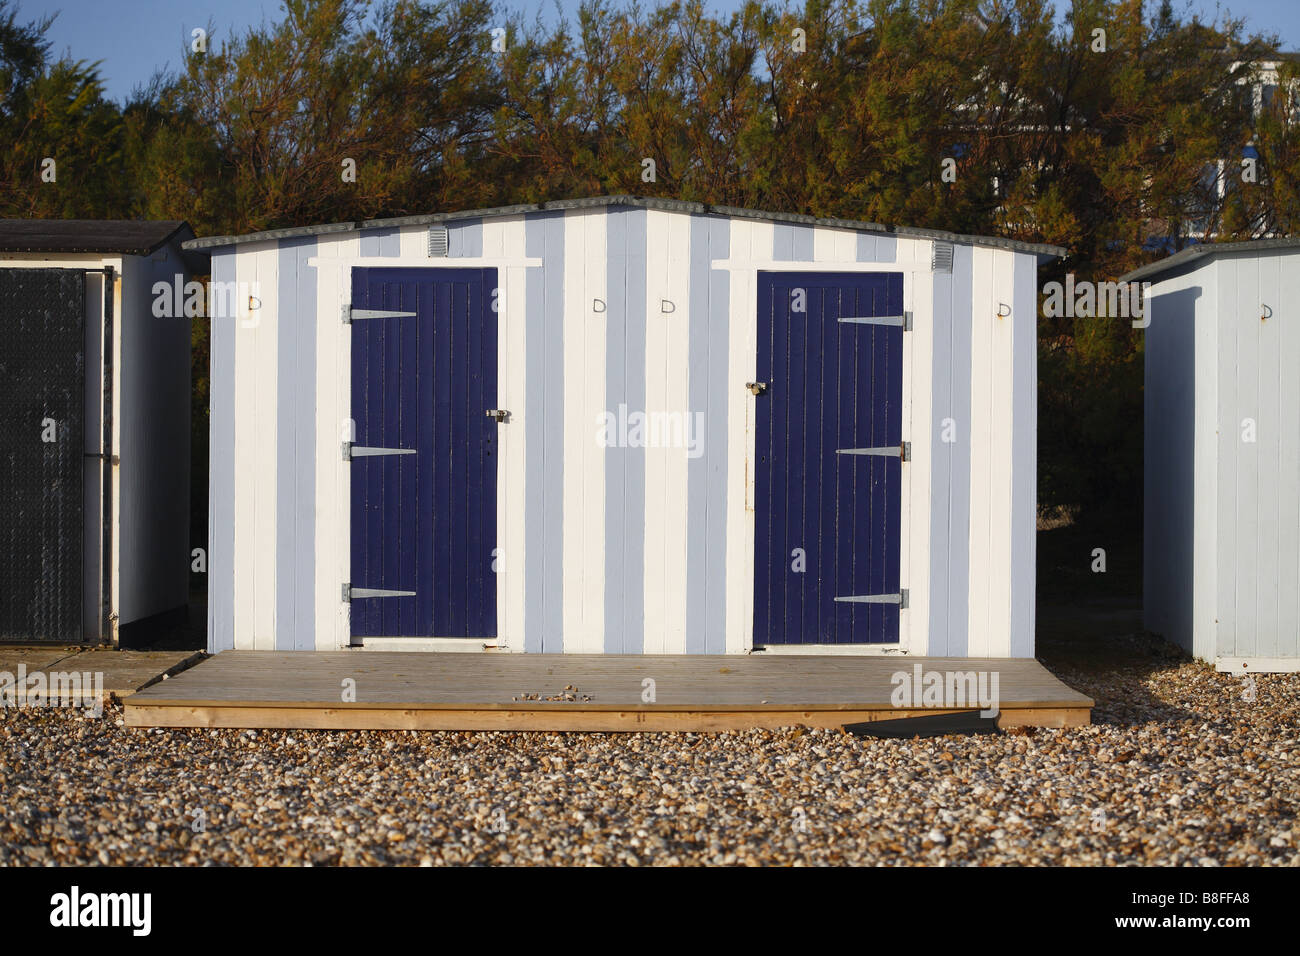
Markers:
point(982, 320)
point(333, 475)
point(507, 235)
point(1001, 410)
point(584, 461)
point(750, 241)
point(657, 328)
point(918, 425)
point(677, 401)
point(258, 325)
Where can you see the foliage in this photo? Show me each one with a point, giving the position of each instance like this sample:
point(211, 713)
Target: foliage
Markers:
point(838, 108)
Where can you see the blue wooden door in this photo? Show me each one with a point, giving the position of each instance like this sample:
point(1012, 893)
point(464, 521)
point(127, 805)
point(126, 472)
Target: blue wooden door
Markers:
point(829, 457)
point(424, 459)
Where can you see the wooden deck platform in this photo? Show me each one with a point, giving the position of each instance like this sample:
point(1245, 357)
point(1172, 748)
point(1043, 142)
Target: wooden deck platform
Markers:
point(427, 691)
point(121, 673)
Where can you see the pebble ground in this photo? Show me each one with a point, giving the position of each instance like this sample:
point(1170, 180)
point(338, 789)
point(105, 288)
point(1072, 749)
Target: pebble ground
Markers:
point(1182, 766)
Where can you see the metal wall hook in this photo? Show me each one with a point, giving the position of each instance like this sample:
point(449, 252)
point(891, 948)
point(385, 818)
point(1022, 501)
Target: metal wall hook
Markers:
point(1268, 313)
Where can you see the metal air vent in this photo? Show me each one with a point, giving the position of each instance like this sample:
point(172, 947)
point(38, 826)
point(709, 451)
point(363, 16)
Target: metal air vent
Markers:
point(941, 257)
point(438, 241)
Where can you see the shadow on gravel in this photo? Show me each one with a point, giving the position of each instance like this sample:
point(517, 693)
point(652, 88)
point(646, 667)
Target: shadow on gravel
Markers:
point(1100, 649)
point(1090, 631)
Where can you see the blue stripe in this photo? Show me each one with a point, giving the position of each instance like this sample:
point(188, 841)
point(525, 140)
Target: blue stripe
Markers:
point(706, 476)
point(791, 242)
point(221, 473)
point(625, 384)
point(381, 242)
point(544, 436)
point(958, 596)
point(465, 238)
point(295, 487)
point(1024, 431)
point(876, 248)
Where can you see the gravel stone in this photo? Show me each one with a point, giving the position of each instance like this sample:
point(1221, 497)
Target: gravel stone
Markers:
point(1179, 768)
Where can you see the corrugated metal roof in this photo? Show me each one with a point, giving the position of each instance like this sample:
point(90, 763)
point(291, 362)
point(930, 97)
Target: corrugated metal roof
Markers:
point(109, 236)
point(647, 202)
point(1191, 253)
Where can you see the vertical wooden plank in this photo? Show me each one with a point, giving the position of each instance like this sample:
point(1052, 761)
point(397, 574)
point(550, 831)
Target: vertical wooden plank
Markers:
point(484, 314)
point(1001, 453)
point(1272, 420)
point(306, 414)
point(916, 423)
point(1202, 288)
point(1024, 455)
point(764, 446)
point(982, 491)
point(427, 520)
point(481, 487)
point(819, 454)
point(959, 527)
point(222, 459)
point(677, 403)
point(260, 325)
point(943, 428)
point(751, 241)
point(771, 415)
point(656, 371)
point(1229, 457)
point(1245, 318)
point(625, 501)
point(508, 236)
point(544, 423)
point(706, 475)
point(581, 498)
point(447, 509)
point(790, 471)
point(593, 357)
point(465, 238)
point(1285, 303)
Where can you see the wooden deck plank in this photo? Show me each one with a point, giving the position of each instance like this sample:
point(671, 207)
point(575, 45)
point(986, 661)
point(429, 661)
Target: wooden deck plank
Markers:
point(397, 690)
point(125, 672)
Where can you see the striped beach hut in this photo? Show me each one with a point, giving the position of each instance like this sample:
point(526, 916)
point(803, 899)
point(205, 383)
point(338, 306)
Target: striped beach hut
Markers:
point(623, 425)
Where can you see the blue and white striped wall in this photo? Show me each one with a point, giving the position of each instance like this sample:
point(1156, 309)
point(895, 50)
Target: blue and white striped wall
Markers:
point(623, 550)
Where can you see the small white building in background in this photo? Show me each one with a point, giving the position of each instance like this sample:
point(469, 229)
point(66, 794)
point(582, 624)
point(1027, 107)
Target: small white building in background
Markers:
point(623, 425)
point(95, 414)
point(1221, 564)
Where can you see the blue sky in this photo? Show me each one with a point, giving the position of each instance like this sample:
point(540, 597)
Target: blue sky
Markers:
point(134, 38)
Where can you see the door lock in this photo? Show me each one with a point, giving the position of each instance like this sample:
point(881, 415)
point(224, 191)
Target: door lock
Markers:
point(500, 414)
point(758, 388)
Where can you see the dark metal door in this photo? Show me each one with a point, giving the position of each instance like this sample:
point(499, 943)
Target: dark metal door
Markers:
point(829, 450)
point(424, 465)
point(42, 403)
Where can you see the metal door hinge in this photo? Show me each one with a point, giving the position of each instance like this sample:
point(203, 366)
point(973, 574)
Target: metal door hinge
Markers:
point(904, 321)
point(349, 313)
point(351, 451)
point(350, 593)
point(903, 450)
point(900, 599)
point(500, 414)
point(758, 388)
